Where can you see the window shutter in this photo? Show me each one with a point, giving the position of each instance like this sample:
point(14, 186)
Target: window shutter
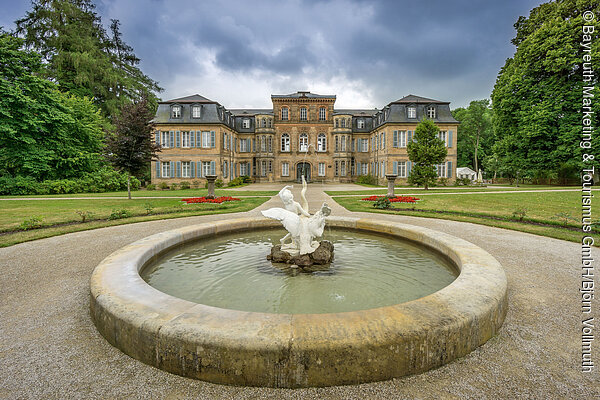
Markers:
point(248, 144)
point(157, 140)
point(158, 169)
point(409, 137)
point(192, 169)
point(395, 141)
point(171, 139)
point(172, 169)
point(198, 135)
point(199, 169)
point(395, 170)
point(408, 168)
point(177, 139)
point(449, 138)
point(358, 168)
point(178, 171)
point(213, 168)
point(449, 170)
point(192, 137)
point(212, 139)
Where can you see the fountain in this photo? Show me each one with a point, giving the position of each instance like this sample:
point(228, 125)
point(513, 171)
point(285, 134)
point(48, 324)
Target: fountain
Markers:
point(204, 302)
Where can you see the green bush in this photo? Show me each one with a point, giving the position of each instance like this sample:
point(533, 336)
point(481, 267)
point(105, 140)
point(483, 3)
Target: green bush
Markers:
point(442, 181)
point(196, 183)
point(239, 181)
point(246, 179)
point(382, 203)
point(219, 183)
point(174, 186)
point(85, 215)
point(367, 180)
point(184, 185)
point(163, 186)
point(119, 214)
point(519, 213)
point(32, 223)
point(150, 187)
point(149, 208)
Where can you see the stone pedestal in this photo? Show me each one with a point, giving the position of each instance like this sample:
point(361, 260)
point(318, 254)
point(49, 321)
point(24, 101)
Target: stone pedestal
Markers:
point(391, 178)
point(210, 184)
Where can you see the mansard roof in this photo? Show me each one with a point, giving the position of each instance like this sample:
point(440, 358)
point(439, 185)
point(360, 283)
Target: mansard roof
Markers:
point(303, 94)
point(411, 98)
point(195, 98)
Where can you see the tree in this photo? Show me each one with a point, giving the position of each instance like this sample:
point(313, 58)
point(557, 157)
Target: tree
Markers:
point(130, 148)
point(46, 134)
point(537, 96)
point(81, 58)
point(426, 151)
point(474, 132)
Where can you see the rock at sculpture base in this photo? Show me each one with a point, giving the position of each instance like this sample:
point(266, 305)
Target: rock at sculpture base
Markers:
point(321, 256)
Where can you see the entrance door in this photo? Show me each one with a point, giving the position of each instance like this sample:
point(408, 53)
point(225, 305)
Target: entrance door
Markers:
point(303, 169)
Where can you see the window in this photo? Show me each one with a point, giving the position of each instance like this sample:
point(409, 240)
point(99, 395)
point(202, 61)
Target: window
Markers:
point(343, 168)
point(303, 114)
point(343, 144)
point(401, 169)
point(285, 169)
point(412, 112)
point(246, 123)
point(225, 143)
point(365, 169)
point(166, 169)
point(270, 123)
point(382, 169)
point(353, 144)
point(383, 140)
point(186, 169)
point(263, 144)
point(321, 171)
point(244, 169)
point(336, 168)
point(205, 168)
point(185, 139)
point(321, 142)
point(349, 123)
point(363, 145)
point(263, 123)
point(322, 114)
point(360, 124)
point(431, 112)
point(176, 112)
point(196, 111)
point(343, 123)
point(337, 122)
point(164, 139)
point(206, 139)
point(285, 142)
point(225, 169)
point(270, 166)
point(263, 168)
point(243, 146)
point(270, 142)
point(402, 141)
point(441, 170)
point(303, 142)
point(284, 113)
point(443, 136)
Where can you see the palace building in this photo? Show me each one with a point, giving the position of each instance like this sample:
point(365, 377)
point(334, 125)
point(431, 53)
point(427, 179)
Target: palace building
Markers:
point(303, 134)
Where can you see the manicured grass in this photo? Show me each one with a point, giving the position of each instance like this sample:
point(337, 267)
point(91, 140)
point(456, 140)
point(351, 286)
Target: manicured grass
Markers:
point(160, 193)
point(403, 190)
point(63, 211)
point(541, 207)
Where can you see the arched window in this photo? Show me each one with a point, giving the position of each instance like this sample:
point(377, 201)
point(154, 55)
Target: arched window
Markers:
point(321, 142)
point(284, 113)
point(343, 122)
point(303, 142)
point(285, 142)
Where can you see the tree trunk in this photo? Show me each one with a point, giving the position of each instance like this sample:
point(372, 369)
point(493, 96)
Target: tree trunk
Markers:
point(476, 147)
point(129, 186)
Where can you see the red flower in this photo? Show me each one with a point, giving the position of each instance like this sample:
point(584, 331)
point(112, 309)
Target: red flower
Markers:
point(216, 200)
point(397, 199)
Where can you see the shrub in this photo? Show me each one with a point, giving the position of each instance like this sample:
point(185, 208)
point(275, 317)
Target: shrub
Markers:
point(85, 215)
point(219, 183)
point(367, 180)
point(564, 218)
point(519, 213)
point(442, 181)
point(382, 203)
point(246, 179)
point(149, 208)
point(239, 181)
point(32, 223)
point(184, 185)
point(196, 183)
point(119, 214)
point(174, 186)
point(151, 187)
point(163, 186)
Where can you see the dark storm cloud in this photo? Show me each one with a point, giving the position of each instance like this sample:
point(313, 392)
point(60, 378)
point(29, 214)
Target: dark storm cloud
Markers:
point(379, 50)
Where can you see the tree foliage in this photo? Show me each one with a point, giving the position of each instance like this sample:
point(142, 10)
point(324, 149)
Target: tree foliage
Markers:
point(475, 133)
point(46, 134)
point(537, 95)
point(426, 151)
point(81, 57)
point(130, 147)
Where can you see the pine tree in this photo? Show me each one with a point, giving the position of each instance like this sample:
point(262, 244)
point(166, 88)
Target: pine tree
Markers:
point(426, 151)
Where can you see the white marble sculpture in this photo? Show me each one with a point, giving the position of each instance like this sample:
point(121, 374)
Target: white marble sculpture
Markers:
point(301, 226)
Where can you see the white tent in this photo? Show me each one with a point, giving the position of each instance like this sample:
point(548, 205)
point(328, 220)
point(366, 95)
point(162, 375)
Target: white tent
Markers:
point(466, 172)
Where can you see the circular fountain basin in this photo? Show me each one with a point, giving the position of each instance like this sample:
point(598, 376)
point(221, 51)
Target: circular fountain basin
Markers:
point(241, 347)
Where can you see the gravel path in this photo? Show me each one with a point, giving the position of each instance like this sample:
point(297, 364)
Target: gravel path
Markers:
point(50, 349)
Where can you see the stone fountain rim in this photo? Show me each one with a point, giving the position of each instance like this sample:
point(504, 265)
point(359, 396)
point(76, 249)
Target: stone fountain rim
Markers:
point(243, 348)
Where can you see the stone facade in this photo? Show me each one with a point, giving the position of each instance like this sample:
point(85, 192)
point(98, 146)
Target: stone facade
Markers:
point(302, 134)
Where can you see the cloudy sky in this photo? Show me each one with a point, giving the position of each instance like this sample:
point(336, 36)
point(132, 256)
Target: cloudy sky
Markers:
point(368, 53)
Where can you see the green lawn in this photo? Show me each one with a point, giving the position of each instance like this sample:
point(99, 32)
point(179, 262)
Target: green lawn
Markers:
point(161, 193)
point(540, 207)
point(399, 190)
point(13, 213)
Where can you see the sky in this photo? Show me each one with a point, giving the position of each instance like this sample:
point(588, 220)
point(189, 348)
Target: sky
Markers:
point(367, 52)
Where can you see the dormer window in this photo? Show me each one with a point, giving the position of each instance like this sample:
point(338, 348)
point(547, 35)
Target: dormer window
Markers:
point(196, 111)
point(176, 112)
point(246, 123)
point(412, 112)
point(284, 114)
point(431, 112)
point(360, 124)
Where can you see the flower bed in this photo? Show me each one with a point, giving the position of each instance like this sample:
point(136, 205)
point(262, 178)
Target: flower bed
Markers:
point(397, 199)
point(216, 200)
